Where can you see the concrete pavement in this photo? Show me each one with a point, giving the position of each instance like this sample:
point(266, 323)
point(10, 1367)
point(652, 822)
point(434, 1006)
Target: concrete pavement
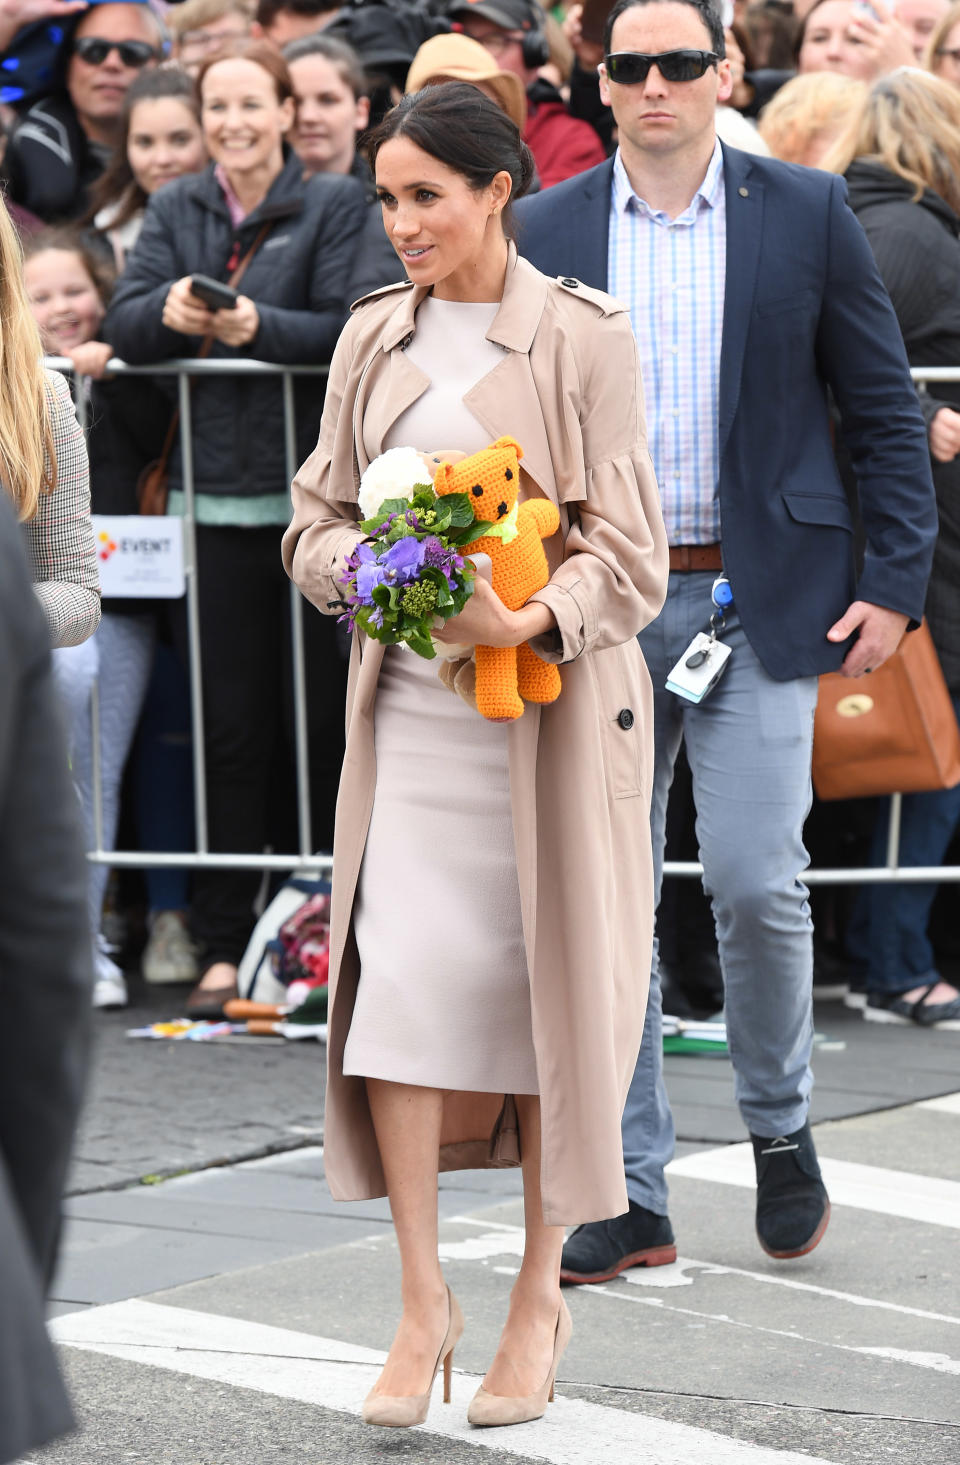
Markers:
point(236, 1314)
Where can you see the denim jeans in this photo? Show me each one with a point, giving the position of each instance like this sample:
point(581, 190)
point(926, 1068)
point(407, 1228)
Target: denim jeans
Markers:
point(888, 934)
point(749, 748)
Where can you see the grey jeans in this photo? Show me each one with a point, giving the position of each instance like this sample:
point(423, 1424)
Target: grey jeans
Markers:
point(749, 748)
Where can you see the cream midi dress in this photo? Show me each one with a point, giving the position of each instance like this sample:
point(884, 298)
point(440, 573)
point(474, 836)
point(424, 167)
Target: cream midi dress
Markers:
point(444, 994)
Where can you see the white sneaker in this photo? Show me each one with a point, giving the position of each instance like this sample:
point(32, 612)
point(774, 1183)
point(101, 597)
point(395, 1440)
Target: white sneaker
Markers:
point(168, 957)
point(109, 988)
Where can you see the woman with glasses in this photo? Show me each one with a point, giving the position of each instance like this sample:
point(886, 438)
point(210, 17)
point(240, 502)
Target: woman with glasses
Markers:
point(295, 242)
point(63, 142)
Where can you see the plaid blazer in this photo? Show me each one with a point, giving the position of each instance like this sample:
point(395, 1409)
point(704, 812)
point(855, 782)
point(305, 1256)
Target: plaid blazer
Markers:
point(60, 536)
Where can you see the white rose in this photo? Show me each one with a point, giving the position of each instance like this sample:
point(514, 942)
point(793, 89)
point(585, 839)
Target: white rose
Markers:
point(394, 475)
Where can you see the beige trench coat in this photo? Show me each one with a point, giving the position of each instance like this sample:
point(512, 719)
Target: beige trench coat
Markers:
point(568, 389)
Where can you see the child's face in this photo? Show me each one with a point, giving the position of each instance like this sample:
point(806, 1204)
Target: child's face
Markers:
point(63, 298)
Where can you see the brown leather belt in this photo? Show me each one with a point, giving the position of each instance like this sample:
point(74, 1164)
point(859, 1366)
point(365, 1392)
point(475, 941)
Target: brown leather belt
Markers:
point(696, 557)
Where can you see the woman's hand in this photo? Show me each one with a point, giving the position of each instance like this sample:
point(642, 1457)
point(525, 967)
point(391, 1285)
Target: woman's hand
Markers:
point(237, 327)
point(486, 621)
point(185, 312)
point(945, 435)
point(886, 43)
point(91, 358)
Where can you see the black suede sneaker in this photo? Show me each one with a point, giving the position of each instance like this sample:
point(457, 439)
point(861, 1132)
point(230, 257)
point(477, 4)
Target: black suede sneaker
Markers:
point(599, 1250)
point(793, 1207)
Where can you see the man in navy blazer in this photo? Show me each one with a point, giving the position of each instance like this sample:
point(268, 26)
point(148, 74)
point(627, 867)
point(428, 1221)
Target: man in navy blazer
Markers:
point(753, 295)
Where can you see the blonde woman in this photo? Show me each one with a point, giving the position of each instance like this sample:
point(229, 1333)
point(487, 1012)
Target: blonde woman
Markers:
point(901, 159)
point(43, 463)
point(805, 117)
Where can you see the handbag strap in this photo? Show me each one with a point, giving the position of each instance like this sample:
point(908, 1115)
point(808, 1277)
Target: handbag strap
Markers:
point(206, 346)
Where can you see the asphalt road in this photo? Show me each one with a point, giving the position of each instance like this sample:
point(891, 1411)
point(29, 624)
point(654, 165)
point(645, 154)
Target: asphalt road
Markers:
point(235, 1313)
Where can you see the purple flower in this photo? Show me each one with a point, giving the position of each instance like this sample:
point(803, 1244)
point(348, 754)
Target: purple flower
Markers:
point(434, 554)
point(403, 560)
point(369, 576)
point(376, 617)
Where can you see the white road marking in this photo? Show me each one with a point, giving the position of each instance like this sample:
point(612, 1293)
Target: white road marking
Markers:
point(939, 1362)
point(334, 1375)
point(867, 1187)
point(508, 1241)
point(676, 1277)
point(946, 1104)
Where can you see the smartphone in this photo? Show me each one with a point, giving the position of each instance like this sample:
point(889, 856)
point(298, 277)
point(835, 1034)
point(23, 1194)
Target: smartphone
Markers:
point(213, 293)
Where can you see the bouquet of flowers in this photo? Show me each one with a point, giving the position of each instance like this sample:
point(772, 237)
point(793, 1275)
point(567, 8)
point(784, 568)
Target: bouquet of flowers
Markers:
point(408, 574)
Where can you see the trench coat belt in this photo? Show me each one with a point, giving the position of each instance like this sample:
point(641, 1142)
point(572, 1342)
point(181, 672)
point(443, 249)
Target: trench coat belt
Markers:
point(696, 557)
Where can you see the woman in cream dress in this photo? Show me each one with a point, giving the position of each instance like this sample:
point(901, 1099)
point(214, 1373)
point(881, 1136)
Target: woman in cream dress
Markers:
point(492, 890)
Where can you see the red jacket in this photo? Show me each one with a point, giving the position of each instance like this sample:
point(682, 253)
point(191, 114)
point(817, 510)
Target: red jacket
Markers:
point(561, 145)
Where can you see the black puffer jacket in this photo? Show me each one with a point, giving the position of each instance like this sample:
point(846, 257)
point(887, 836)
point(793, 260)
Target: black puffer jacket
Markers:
point(917, 249)
point(299, 279)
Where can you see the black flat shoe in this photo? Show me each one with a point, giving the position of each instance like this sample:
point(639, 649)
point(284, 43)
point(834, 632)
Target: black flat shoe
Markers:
point(792, 1203)
point(894, 1007)
point(599, 1250)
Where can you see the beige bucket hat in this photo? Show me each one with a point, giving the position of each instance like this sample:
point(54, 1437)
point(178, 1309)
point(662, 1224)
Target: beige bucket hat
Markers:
point(454, 57)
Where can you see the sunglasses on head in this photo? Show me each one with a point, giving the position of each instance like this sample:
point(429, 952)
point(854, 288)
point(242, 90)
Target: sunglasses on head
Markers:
point(627, 68)
point(95, 51)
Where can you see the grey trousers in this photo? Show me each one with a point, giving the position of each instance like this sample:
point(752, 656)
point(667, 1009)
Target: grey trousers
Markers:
point(749, 748)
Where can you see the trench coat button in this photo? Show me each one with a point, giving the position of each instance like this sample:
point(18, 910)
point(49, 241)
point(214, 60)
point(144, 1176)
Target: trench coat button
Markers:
point(626, 719)
point(570, 282)
point(744, 192)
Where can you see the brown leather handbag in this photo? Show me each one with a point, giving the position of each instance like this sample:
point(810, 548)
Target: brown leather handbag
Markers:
point(889, 731)
point(153, 482)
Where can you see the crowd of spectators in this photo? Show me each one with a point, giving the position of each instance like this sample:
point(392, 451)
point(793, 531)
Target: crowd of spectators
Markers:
point(146, 143)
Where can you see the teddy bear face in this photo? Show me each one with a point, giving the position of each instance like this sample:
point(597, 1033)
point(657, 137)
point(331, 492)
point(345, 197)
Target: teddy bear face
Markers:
point(491, 478)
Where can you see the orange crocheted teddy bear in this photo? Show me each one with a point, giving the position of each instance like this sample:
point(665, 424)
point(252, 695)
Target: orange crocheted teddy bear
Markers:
point(505, 674)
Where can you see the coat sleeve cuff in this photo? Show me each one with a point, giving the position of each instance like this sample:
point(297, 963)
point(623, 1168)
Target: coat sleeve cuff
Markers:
point(575, 629)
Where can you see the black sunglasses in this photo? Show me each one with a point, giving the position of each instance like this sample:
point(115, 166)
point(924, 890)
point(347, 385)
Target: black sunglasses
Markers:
point(95, 51)
point(627, 68)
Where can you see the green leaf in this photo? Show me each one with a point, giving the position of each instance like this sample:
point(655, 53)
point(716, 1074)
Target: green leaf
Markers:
point(461, 509)
point(422, 644)
point(475, 531)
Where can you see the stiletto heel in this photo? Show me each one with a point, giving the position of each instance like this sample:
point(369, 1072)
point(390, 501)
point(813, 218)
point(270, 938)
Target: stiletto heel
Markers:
point(486, 1410)
point(406, 1410)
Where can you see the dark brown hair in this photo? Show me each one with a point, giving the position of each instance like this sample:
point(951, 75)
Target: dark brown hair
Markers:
point(117, 184)
point(461, 127)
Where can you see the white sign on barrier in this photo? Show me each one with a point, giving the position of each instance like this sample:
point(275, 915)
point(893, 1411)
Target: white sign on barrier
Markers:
point(139, 556)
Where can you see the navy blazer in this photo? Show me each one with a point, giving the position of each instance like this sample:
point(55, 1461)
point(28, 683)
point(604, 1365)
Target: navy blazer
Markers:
point(804, 311)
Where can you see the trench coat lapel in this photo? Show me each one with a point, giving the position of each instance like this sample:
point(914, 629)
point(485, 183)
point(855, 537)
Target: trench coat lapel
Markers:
point(507, 395)
point(744, 198)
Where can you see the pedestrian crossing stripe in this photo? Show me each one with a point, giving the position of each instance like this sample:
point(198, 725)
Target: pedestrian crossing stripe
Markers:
point(336, 1376)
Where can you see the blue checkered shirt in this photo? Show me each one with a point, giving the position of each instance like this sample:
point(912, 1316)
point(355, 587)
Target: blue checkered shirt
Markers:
point(670, 274)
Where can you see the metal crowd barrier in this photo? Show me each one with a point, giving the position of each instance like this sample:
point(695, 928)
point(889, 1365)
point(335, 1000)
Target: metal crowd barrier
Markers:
point(203, 857)
point(306, 859)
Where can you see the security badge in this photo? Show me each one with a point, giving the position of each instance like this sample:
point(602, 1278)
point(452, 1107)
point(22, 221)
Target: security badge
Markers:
point(705, 660)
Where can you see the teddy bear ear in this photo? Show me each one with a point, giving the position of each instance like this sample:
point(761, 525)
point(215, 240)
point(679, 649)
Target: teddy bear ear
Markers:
point(509, 442)
point(441, 479)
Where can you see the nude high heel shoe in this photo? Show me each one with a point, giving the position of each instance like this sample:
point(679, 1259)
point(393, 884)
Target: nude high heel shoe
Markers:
point(486, 1409)
point(406, 1410)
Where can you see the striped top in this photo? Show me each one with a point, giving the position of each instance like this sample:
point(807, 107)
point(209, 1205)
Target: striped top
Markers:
point(670, 274)
point(60, 545)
